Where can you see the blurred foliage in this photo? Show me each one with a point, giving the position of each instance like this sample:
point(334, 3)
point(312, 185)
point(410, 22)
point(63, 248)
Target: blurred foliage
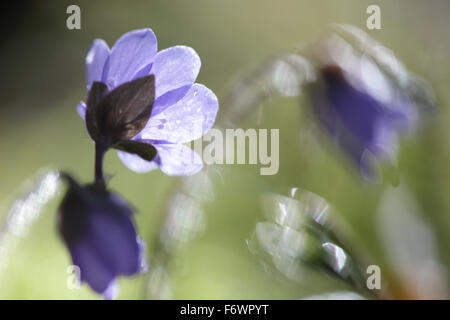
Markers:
point(43, 79)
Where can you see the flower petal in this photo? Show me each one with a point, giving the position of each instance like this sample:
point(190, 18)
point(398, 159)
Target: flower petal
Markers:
point(175, 67)
point(112, 291)
point(113, 235)
point(136, 163)
point(178, 160)
point(95, 61)
point(187, 120)
point(173, 160)
point(169, 98)
point(132, 52)
point(81, 109)
point(93, 270)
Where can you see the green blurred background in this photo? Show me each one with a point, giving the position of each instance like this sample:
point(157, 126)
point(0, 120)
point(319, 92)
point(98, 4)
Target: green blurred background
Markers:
point(42, 80)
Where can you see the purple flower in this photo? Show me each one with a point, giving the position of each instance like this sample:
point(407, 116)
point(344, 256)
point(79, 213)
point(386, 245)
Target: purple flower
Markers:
point(97, 227)
point(173, 108)
point(362, 109)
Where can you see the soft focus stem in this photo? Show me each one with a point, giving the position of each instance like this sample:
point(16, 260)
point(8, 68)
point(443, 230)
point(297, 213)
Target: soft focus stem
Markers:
point(99, 155)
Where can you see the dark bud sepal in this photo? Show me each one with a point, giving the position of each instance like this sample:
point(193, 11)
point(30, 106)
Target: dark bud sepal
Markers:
point(144, 150)
point(117, 116)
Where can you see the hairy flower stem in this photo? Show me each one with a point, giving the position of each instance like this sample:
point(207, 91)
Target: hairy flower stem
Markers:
point(99, 155)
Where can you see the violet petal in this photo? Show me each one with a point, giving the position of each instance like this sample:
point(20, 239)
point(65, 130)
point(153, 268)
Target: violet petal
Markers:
point(187, 120)
point(95, 61)
point(133, 51)
point(175, 67)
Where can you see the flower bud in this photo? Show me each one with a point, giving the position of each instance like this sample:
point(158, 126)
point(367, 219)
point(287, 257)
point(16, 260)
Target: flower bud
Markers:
point(97, 227)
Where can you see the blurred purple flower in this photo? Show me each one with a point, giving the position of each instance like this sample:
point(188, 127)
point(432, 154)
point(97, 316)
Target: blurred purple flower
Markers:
point(182, 110)
point(97, 227)
point(361, 108)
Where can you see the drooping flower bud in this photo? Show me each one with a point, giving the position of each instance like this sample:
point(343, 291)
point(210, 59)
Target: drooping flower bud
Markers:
point(97, 227)
point(362, 107)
